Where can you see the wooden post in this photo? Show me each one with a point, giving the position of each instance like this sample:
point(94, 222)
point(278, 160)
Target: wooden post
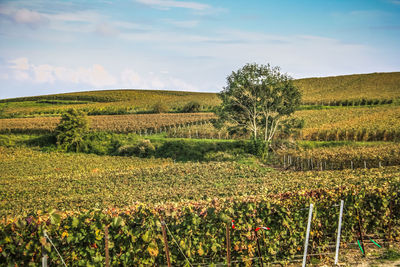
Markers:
point(106, 246)
point(259, 250)
point(164, 232)
point(228, 246)
point(365, 164)
point(360, 232)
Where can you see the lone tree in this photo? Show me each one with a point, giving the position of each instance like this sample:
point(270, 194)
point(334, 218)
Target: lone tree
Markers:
point(71, 130)
point(259, 98)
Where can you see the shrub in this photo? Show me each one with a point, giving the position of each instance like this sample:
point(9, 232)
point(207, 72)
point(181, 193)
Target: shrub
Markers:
point(159, 107)
point(191, 107)
point(71, 131)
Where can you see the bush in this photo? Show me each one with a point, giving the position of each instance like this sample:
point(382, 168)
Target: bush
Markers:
point(144, 148)
point(191, 107)
point(160, 108)
point(71, 131)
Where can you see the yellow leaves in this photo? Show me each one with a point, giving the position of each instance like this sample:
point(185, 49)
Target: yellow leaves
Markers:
point(64, 234)
point(152, 249)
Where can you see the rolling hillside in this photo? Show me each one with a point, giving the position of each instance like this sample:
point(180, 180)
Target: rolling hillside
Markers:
point(357, 89)
point(350, 87)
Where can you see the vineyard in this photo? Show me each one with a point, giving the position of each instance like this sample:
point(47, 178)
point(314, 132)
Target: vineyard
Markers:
point(349, 90)
point(359, 89)
point(140, 123)
point(143, 180)
point(197, 207)
point(341, 157)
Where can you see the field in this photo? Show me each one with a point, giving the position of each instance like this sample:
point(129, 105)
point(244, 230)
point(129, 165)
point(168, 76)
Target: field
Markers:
point(115, 123)
point(349, 90)
point(138, 172)
point(328, 90)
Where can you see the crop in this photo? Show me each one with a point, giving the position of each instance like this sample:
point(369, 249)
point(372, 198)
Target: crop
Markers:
point(347, 156)
point(79, 181)
point(141, 123)
point(359, 89)
point(199, 228)
point(351, 124)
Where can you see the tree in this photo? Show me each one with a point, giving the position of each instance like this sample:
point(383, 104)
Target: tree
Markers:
point(71, 130)
point(258, 98)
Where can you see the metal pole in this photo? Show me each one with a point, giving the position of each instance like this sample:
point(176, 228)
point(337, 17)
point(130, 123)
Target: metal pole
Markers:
point(307, 235)
point(44, 256)
point(338, 233)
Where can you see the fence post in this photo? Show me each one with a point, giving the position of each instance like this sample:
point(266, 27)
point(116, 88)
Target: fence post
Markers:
point(259, 250)
point(44, 256)
point(106, 246)
point(164, 232)
point(228, 246)
point(307, 235)
point(338, 233)
point(360, 232)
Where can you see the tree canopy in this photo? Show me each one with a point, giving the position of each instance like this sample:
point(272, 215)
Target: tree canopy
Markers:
point(258, 98)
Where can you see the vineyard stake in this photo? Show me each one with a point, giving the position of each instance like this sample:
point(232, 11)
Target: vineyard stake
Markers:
point(164, 232)
point(228, 246)
point(106, 246)
point(365, 164)
point(360, 232)
point(259, 250)
point(307, 235)
point(338, 233)
point(44, 258)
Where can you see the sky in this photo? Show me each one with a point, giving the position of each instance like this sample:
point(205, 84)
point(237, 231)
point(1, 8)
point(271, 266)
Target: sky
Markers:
point(52, 46)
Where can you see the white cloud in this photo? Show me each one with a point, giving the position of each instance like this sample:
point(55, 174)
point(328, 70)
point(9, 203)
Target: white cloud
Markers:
point(23, 16)
point(96, 75)
point(21, 75)
point(167, 4)
point(130, 78)
point(26, 16)
point(19, 63)
point(43, 73)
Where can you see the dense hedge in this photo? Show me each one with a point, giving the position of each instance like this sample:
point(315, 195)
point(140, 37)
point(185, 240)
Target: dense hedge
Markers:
point(199, 228)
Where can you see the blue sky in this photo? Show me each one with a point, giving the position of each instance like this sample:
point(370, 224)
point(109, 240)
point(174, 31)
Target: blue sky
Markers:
point(64, 46)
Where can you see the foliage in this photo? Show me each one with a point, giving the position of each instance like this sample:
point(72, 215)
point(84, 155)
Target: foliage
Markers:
point(70, 132)
point(82, 181)
point(191, 107)
point(159, 107)
point(199, 228)
point(106, 102)
point(143, 148)
point(258, 98)
point(338, 89)
point(139, 123)
point(351, 124)
point(344, 156)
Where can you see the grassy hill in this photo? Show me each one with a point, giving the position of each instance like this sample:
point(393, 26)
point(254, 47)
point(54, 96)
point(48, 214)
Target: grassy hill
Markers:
point(357, 89)
point(373, 86)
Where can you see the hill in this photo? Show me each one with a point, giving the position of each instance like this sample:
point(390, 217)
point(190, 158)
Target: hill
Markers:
point(347, 90)
point(373, 86)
